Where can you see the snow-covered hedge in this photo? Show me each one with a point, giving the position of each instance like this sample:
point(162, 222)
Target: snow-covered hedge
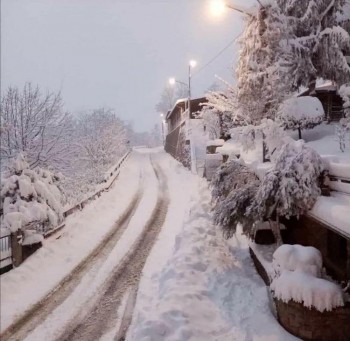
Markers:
point(297, 270)
point(233, 188)
point(30, 199)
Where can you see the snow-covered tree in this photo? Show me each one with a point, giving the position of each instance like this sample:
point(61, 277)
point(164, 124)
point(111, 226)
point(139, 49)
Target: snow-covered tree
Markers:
point(268, 133)
point(319, 41)
point(233, 189)
point(101, 139)
point(290, 188)
point(300, 113)
point(31, 200)
point(170, 94)
point(225, 104)
point(262, 78)
point(35, 124)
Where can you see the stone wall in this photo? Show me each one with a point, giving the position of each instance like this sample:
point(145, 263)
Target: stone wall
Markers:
point(310, 324)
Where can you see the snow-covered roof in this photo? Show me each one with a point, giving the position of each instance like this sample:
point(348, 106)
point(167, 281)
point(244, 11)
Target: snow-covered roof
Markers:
point(320, 87)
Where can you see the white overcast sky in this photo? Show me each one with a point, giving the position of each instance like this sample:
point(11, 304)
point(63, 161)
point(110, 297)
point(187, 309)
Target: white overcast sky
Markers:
point(114, 53)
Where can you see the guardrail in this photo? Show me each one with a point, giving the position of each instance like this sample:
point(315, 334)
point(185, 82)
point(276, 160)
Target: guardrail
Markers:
point(339, 176)
point(9, 241)
point(5, 250)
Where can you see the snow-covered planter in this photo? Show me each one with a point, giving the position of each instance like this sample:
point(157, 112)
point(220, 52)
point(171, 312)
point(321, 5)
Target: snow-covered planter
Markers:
point(309, 307)
point(300, 113)
point(311, 291)
point(298, 271)
point(31, 200)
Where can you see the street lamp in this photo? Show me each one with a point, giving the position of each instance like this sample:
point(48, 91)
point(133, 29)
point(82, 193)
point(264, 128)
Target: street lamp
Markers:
point(218, 7)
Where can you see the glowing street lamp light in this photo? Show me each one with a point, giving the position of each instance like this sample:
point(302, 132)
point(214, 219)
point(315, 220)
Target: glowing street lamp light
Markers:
point(217, 8)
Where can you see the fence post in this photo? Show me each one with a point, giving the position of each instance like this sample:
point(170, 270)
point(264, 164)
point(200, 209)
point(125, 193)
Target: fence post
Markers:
point(17, 249)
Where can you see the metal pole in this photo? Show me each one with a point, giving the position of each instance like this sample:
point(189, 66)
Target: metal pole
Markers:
point(163, 131)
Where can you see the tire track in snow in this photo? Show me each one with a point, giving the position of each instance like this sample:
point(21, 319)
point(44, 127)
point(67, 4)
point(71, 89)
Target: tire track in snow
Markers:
point(104, 313)
point(40, 311)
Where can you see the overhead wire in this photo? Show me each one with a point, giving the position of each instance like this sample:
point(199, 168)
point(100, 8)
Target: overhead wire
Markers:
point(216, 56)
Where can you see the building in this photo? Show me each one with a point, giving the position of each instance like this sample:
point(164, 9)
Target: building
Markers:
point(332, 103)
point(185, 139)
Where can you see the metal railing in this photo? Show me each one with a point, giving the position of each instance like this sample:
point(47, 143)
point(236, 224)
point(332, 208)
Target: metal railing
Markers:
point(5, 249)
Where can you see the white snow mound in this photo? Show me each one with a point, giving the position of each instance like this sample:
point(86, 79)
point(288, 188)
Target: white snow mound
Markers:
point(305, 259)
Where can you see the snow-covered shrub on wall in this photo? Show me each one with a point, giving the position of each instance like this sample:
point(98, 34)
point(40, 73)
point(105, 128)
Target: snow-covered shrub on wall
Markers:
point(233, 189)
point(290, 188)
point(300, 113)
point(30, 199)
point(298, 269)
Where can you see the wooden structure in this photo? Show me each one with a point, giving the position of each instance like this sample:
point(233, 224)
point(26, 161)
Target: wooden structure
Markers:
point(178, 141)
point(330, 99)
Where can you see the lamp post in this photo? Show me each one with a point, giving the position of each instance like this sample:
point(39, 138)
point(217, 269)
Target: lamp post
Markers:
point(163, 122)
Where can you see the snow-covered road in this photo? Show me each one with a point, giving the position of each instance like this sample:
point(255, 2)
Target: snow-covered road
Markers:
point(191, 284)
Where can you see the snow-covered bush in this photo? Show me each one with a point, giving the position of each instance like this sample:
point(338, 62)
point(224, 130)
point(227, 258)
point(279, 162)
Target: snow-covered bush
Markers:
point(344, 124)
point(297, 258)
point(233, 189)
point(30, 199)
point(300, 113)
point(290, 188)
point(298, 271)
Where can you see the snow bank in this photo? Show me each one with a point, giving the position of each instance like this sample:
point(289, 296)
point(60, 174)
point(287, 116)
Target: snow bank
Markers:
point(215, 143)
point(304, 288)
point(306, 259)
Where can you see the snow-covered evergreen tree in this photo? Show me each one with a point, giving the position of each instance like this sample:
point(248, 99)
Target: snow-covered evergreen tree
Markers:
point(290, 188)
point(31, 200)
point(233, 189)
point(300, 113)
point(318, 41)
point(262, 78)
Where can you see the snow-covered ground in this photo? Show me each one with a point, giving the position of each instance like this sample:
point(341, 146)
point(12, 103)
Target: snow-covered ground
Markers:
point(323, 139)
point(196, 285)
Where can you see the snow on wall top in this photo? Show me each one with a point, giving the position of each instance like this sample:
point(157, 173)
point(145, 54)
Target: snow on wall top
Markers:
point(215, 143)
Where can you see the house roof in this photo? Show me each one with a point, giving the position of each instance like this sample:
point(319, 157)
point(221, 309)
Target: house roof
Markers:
point(324, 87)
point(182, 103)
